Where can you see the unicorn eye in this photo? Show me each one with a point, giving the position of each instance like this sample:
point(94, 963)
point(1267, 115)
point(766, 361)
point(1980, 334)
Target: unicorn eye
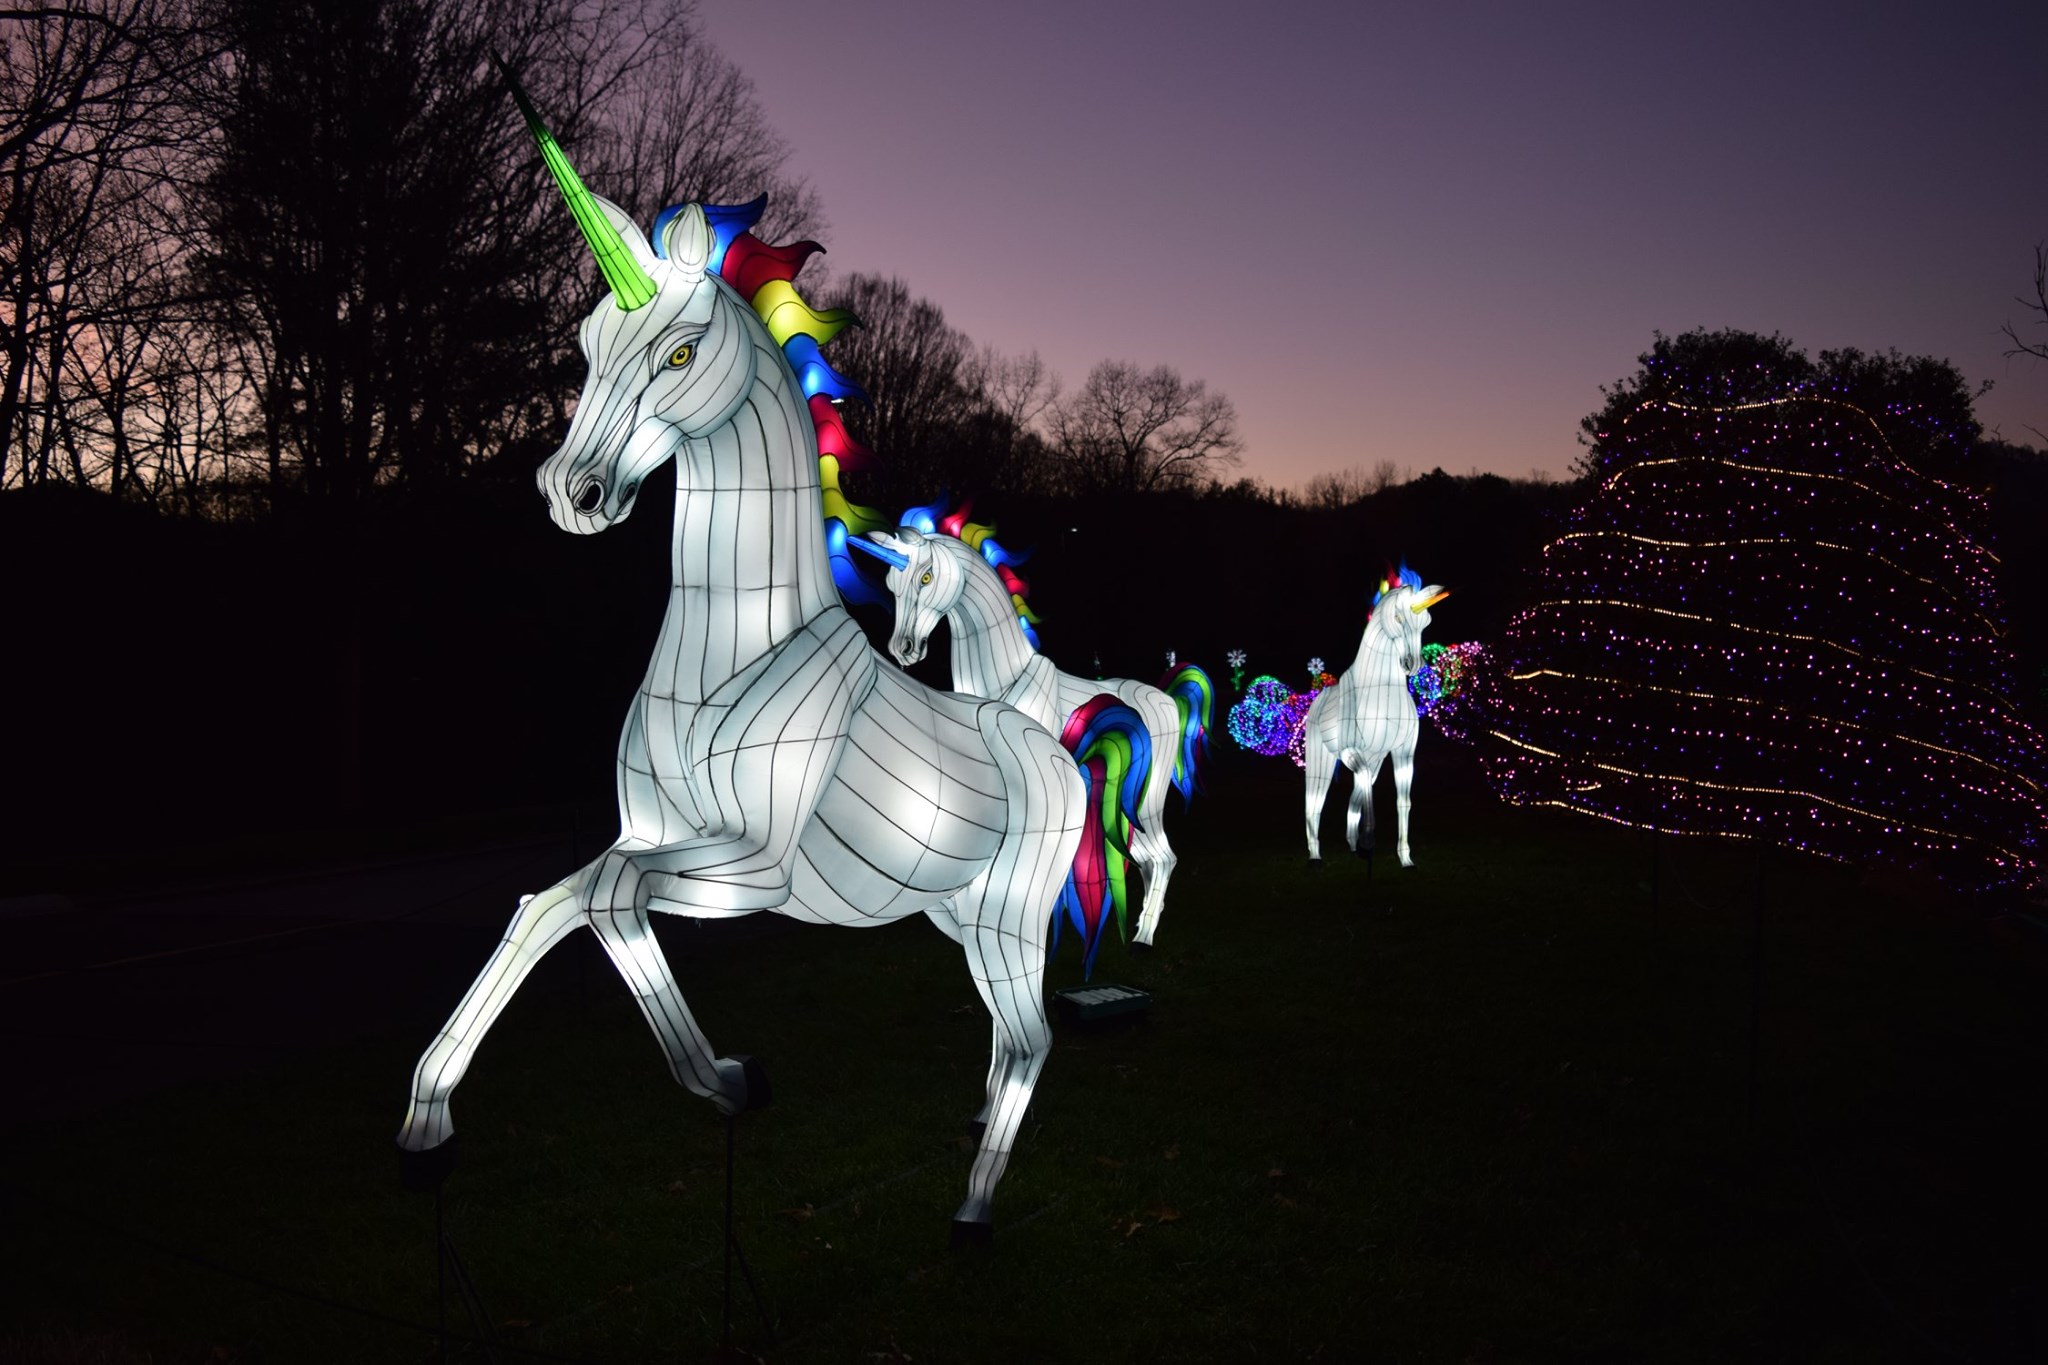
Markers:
point(680, 356)
point(926, 581)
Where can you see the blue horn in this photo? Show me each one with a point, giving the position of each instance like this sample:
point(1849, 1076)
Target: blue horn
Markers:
point(881, 552)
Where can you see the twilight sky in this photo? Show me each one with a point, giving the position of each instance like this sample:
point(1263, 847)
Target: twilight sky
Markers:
point(1425, 233)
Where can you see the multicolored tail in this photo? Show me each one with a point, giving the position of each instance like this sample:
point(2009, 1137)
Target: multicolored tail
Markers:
point(1109, 740)
point(1195, 696)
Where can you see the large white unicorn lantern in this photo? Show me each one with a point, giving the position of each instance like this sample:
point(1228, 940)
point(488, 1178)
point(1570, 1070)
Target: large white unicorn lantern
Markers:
point(1370, 714)
point(768, 761)
point(951, 569)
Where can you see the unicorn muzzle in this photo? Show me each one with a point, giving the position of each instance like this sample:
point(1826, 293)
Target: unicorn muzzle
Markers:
point(906, 642)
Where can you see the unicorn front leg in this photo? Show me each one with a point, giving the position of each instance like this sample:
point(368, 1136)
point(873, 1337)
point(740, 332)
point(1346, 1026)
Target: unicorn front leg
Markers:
point(629, 940)
point(1318, 766)
point(1358, 817)
point(1404, 774)
point(541, 922)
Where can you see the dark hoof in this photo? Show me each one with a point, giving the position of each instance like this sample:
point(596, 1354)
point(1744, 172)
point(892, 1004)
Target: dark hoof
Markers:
point(758, 1091)
point(1365, 850)
point(426, 1171)
point(976, 1127)
point(1315, 864)
point(1140, 948)
point(971, 1235)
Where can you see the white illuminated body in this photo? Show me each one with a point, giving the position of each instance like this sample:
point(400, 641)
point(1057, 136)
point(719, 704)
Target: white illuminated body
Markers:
point(948, 580)
point(769, 761)
point(1368, 716)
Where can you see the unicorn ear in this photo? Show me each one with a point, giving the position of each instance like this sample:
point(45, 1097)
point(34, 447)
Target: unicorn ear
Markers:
point(628, 230)
point(687, 241)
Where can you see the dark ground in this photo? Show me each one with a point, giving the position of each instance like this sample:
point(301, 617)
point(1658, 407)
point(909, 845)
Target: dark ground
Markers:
point(1497, 1107)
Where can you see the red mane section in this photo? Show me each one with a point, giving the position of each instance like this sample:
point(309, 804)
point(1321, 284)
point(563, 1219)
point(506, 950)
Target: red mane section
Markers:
point(750, 263)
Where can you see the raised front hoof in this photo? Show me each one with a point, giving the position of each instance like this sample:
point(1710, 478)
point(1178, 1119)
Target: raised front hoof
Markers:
point(976, 1126)
point(756, 1078)
point(1137, 948)
point(425, 1171)
point(972, 1234)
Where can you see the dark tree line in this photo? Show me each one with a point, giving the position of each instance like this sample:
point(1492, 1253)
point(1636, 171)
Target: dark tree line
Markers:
point(272, 253)
point(947, 416)
point(282, 255)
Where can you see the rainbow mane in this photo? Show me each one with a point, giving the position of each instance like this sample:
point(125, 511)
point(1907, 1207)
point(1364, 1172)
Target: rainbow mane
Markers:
point(981, 539)
point(1403, 577)
point(764, 276)
point(1113, 749)
point(1194, 697)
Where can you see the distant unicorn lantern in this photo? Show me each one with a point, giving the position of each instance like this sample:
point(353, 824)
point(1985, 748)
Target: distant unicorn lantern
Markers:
point(951, 568)
point(1370, 713)
point(768, 762)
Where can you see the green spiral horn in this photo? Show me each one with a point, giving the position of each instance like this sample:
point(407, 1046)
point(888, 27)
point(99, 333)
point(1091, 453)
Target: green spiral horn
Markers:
point(631, 286)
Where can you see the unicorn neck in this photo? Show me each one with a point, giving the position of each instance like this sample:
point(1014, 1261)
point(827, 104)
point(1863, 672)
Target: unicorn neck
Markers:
point(747, 560)
point(989, 648)
point(1378, 654)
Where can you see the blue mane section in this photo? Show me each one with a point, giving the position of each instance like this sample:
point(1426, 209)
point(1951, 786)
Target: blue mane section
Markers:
point(816, 374)
point(1122, 720)
point(926, 518)
point(1194, 695)
point(1001, 554)
point(845, 576)
point(1404, 577)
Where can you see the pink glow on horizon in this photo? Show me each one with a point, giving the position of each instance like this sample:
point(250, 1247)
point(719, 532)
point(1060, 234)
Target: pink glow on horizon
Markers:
point(1422, 237)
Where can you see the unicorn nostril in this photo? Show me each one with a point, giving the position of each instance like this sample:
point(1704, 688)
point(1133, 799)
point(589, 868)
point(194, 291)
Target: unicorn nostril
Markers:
point(590, 497)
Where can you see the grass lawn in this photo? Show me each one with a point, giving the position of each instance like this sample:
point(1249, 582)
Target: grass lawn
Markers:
point(1496, 1107)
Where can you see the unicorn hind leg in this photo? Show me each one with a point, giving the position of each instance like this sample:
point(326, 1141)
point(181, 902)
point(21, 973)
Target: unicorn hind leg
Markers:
point(1005, 919)
point(947, 918)
point(1149, 847)
point(1156, 859)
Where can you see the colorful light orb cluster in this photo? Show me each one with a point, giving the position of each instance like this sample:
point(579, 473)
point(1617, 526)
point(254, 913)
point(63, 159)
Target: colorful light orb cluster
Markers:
point(1444, 688)
point(1765, 619)
point(1267, 719)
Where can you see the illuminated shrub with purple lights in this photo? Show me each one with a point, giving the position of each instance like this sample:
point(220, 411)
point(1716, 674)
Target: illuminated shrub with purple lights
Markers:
point(1775, 612)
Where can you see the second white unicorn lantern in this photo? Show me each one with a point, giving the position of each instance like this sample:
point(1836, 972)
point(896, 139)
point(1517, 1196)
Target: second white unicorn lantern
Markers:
point(952, 569)
point(768, 761)
point(1369, 714)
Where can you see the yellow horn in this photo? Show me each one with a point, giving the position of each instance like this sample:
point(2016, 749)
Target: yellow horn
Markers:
point(1426, 603)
